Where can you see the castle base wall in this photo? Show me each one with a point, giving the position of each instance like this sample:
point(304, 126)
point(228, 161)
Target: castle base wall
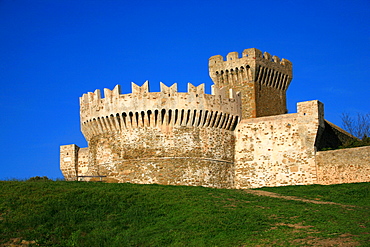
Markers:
point(169, 171)
point(349, 165)
point(165, 155)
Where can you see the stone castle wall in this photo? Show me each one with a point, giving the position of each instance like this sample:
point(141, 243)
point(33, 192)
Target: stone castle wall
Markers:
point(83, 162)
point(349, 165)
point(181, 155)
point(237, 137)
point(163, 137)
point(69, 161)
point(278, 150)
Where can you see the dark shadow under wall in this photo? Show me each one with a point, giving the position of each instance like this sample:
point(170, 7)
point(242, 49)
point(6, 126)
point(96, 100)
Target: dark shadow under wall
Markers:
point(333, 137)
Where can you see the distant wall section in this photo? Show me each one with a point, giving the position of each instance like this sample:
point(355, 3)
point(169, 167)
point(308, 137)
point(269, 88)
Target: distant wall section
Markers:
point(69, 161)
point(349, 165)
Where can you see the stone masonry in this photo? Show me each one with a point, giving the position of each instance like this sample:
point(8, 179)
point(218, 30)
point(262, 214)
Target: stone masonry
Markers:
point(237, 137)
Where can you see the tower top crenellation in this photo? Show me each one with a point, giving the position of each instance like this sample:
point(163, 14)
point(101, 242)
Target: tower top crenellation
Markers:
point(249, 54)
point(262, 80)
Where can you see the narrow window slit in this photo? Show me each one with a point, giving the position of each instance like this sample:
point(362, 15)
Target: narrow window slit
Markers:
point(200, 118)
point(124, 117)
point(130, 116)
point(182, 117)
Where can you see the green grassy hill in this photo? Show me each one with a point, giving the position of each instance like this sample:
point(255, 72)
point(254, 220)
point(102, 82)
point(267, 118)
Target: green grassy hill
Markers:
point(49, 213)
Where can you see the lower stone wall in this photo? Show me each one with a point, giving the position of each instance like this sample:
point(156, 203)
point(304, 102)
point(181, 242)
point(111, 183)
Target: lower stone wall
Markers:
point(349, 165)
point(170, 171)
point(173, 156)
point(83, 161)
point(278, 150)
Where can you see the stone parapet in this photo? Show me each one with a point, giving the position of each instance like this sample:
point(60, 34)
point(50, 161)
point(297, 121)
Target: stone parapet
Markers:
point(167, 108)
point(252, 65)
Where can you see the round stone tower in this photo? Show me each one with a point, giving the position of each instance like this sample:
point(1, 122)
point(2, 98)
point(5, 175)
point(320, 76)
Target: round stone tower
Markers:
point(165, 137)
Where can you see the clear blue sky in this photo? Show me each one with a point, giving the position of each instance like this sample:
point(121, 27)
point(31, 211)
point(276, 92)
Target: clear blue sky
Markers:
point(53, 51)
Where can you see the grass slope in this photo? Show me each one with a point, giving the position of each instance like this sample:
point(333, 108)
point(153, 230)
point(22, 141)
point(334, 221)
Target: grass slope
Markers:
point(98, 214)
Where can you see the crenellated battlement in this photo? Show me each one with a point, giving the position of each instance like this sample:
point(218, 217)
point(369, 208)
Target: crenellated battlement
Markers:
point(143, 91)
point(233, 58)
point(262, 80)
point(142, 108)
point(253, 65)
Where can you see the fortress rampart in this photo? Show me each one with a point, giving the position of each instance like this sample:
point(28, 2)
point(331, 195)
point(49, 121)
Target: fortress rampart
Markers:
point(167, 133)
point(239, 136)
point(280, 150)
point(168, 108)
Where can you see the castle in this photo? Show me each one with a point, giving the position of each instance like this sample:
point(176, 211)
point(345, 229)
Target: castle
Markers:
point(239, 136)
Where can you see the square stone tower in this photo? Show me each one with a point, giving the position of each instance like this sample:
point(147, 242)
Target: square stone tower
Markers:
point(261, 79)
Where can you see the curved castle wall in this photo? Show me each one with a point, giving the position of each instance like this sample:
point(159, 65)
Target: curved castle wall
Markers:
point(123, 112)
point(165, 137)
point(182, 155)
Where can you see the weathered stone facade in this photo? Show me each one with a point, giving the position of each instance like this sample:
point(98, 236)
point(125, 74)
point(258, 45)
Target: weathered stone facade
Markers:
point(349, 165)
point(278, 150)
point(237, 137)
